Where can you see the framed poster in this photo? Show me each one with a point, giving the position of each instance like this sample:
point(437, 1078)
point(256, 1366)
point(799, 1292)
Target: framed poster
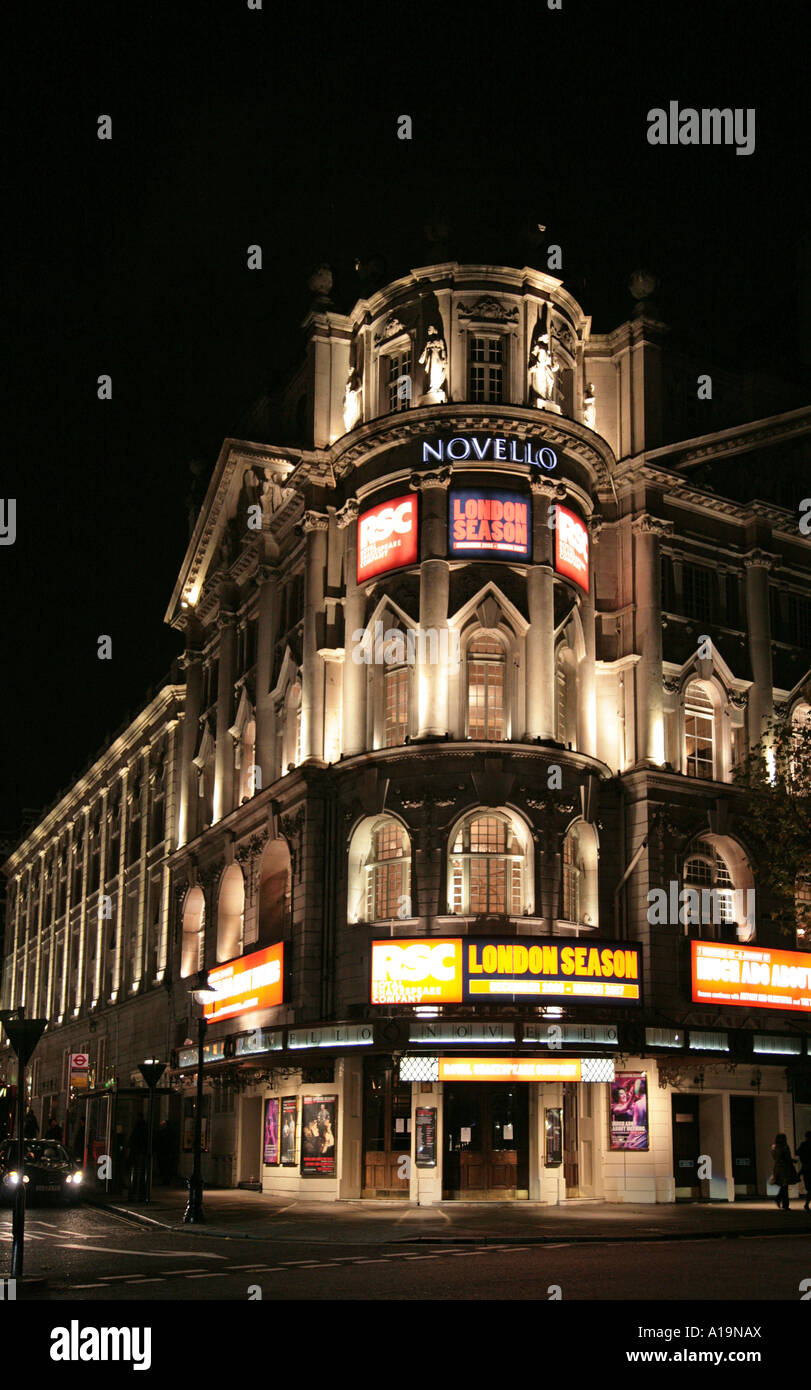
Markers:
point(553, 1129)
point(319, 1136)
point(270, 1145)
point(425, 1149)
point(628, 1109)
point(289, 1131)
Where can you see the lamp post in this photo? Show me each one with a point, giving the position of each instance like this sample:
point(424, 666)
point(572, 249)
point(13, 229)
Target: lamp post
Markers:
point(23, 1034)
point(151, 1070)
point(193, 1214)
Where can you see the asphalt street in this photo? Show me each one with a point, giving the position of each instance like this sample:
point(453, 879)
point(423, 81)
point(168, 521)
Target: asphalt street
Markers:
point(90, 1254)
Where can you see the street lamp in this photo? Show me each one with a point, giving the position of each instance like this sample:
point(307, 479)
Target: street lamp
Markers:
point(151, 1070)
point(193, 1214)
point(23, 1034)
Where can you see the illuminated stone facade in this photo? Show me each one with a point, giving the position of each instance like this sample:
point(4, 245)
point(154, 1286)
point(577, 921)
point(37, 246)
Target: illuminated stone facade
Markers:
point(472, 656)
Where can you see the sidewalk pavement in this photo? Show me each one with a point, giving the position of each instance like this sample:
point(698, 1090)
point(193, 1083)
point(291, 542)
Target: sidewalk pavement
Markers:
point(241, 1214)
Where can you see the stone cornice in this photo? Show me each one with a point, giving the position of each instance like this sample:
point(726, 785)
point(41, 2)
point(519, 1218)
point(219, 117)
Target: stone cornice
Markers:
point(439, 479)
point(738, 439)
point(648, 525)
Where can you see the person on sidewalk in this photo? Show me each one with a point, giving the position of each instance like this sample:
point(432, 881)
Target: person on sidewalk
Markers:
point(31, 1126)
point(54, 1130)
point(783, 1172)
point(139, 1141)
point(804, 1155)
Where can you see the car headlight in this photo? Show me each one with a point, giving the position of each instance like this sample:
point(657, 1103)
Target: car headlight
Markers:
point(78, 1177)
point(11, 1179)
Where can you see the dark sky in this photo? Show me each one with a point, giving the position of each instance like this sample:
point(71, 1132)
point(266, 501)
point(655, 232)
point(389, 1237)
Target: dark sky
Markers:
point(231, 127)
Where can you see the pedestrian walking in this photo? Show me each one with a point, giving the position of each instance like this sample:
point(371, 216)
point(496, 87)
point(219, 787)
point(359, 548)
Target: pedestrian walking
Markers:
point(783, 1172)
point(54, 1130)
point(31, 1126)
point(804, 1155)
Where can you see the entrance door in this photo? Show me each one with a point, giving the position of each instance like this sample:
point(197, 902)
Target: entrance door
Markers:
point(744, 1153)
point(486, 1147)
point(250, 1145)
point(386, 1129)
point(571, 1167)
point(686, 1146)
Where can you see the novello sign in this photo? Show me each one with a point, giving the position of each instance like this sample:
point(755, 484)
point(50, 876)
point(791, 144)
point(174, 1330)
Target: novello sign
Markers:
point(755, 977)
point(571, 547)
point(249, 983)
point(387, 537)
point(462, 971)
point(490, 448)
point(486, 522)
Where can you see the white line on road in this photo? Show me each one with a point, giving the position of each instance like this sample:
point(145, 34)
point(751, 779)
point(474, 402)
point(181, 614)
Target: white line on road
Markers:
point(215, 1275)
point(142, 1254)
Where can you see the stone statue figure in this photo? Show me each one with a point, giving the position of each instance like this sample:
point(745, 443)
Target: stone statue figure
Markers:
point(590, 408)
point(543, 371)
point(352, 404)
point(435, 360)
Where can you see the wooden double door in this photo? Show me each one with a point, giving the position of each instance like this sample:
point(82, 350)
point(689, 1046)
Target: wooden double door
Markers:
point(486, 1141)
point(386, 1129)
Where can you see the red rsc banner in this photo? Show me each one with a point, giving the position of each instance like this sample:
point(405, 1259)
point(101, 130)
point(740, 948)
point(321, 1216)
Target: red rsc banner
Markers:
point(755, 977)
point(387, 537)
point(571, 547)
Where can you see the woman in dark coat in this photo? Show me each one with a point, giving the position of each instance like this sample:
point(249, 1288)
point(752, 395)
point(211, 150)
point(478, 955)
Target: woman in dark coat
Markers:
point(783, 1173)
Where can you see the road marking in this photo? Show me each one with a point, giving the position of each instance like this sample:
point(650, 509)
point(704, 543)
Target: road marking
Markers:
point(102, 1285)
point(215, 1275)
point(141, 1254)
point(170, 1272)
point(422, 1257)
point(158, 1279)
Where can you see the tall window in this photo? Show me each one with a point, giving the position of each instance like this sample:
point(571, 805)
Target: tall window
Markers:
point(396, 690)
point(388, 873)
point(486, 369)
point(571, 882)
point(485, 688)
point(706, 870)
point(696, 580)
point(487, 866)
point(699, 716)
point(399, 382)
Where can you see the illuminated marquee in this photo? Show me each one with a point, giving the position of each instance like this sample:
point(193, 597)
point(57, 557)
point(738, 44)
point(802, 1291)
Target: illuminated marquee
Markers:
point(494, 448)
point(754, 977)
point(469, 970)
point(489, 523)
point(571, 547)
point(387, 537)
point(509, 1069)
point(248, 983)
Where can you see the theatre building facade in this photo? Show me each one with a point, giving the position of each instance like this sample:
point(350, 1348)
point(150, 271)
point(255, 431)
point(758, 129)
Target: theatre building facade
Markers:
point(470, 659)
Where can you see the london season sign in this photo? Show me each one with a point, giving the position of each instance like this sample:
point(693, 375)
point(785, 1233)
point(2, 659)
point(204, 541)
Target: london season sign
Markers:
point(489, 523)
point(465, 970)
point(752, 976)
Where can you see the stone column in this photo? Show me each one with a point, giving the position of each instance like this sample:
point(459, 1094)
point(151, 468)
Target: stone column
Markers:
point(83, 917)
point(315, 526)
point(353, 716)
point(40, 920)
point(761, 696)
point(540, 666)
point(192, 661)
point(224, 751)
point(267, 581)
point(647, 531)
point(12, 988)
point(587, 671)
point(432, 676)
point(122, 861)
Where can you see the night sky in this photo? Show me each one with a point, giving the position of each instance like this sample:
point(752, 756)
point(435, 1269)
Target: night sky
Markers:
point(278, 127)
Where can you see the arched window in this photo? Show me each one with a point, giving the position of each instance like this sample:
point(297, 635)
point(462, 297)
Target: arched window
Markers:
point(485, 688)
point(579, 896)
point(379, 887)
point(194, 917)
point(230, 913)
point(396, 727)
point(488, 858)
point(274, 892)
point(388, 873)
point(719, 897)
point(699, 731)
point(565, 697)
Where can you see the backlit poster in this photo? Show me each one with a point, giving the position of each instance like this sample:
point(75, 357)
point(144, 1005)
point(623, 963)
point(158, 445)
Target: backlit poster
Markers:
point(289, 1129)
point(270, 1148)
point(387, 537)
point(629, 1111)
point(319, 1136)
point(571, 547)
point(489, 523)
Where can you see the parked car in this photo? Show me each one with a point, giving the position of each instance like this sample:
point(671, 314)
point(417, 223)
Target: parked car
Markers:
point(48, 1171)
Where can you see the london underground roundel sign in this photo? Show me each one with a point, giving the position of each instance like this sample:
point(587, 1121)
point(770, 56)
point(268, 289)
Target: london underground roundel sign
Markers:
point(387, 537)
